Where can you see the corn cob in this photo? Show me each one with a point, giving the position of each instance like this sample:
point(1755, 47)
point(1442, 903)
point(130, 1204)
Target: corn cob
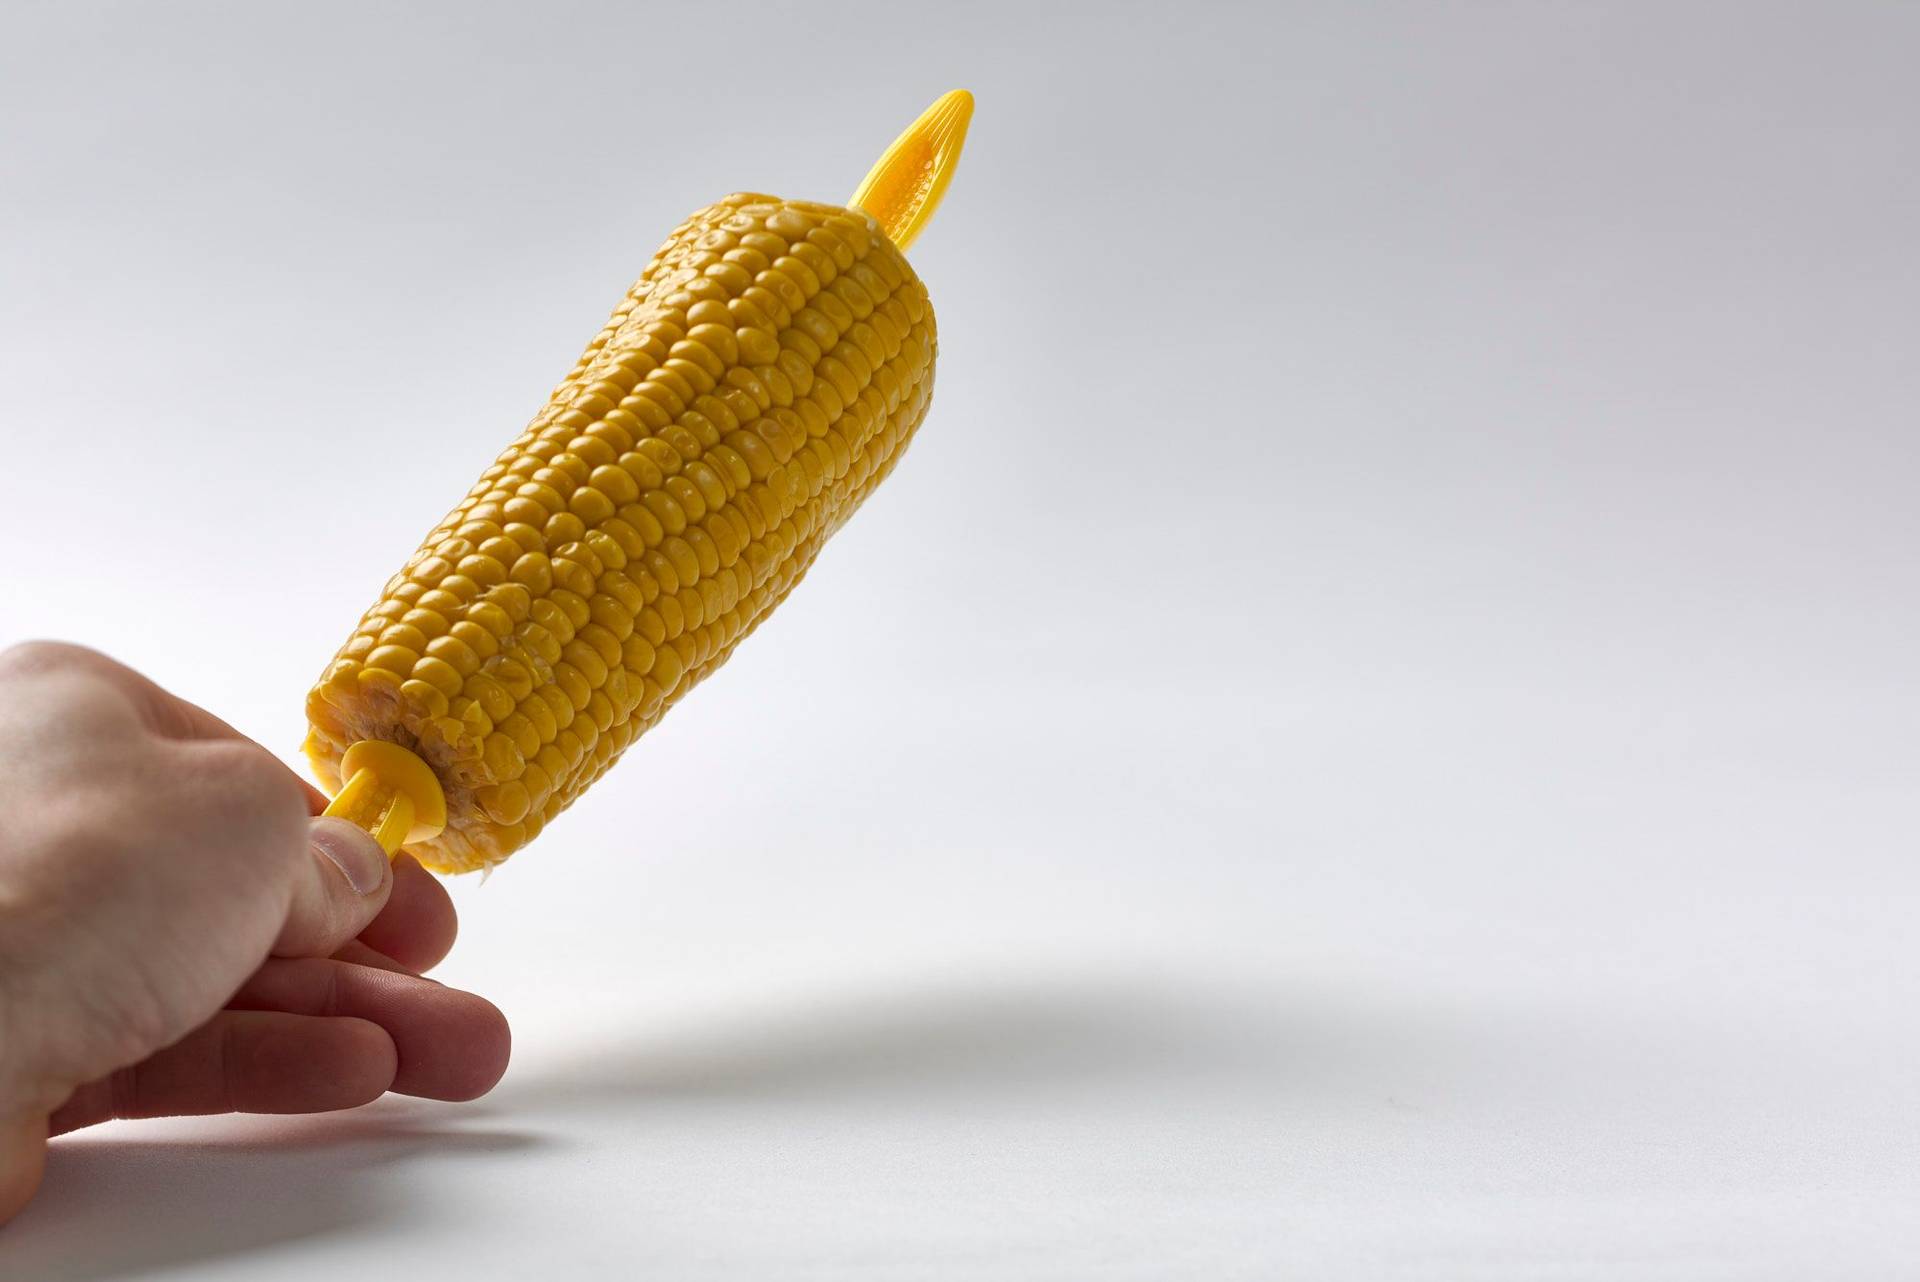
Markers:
point(754, 386)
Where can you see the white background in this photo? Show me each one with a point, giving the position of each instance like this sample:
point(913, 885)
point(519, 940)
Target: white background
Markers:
point(1373, 736)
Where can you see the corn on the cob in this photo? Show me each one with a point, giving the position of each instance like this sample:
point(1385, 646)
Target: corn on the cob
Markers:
point(758, 381)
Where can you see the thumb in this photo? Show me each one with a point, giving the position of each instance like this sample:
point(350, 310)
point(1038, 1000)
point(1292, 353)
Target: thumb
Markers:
point(340, 887)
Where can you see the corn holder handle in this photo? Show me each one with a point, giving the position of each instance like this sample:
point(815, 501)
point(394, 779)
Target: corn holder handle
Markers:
point(388, 789)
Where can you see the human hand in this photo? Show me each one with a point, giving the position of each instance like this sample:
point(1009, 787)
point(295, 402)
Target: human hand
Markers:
point(179, 935)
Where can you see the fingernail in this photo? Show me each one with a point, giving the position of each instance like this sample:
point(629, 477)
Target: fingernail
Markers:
point(357, 856)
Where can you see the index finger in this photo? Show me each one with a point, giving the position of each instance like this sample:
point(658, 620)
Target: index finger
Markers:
point(166, 713)
point(418, 925)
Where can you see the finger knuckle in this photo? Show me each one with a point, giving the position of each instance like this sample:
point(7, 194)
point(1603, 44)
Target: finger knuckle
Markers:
point(253, 784)
point(36, 656)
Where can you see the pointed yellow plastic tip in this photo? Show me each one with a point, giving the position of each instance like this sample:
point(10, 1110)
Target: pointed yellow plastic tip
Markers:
point(391, 793)
point(904, 188)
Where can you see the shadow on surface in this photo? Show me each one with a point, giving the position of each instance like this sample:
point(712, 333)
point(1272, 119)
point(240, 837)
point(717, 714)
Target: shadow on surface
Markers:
point(135, 1202)
point(127, 1204)
point(954, 1041)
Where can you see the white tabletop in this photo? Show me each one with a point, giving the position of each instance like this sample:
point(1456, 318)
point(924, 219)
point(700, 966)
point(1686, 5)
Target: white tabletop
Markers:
point(1372, 736)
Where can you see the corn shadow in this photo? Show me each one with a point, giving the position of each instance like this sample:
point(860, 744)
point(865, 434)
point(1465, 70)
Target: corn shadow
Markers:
point(1012, 1039)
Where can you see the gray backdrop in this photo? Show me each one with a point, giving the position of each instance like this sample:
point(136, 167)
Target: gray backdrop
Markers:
point(1372, 736)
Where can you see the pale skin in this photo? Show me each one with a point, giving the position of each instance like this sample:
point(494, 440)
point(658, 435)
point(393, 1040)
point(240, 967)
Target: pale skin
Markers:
point(180, 935)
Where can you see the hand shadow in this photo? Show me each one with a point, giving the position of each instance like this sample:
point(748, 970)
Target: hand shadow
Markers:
point(123, 1204)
